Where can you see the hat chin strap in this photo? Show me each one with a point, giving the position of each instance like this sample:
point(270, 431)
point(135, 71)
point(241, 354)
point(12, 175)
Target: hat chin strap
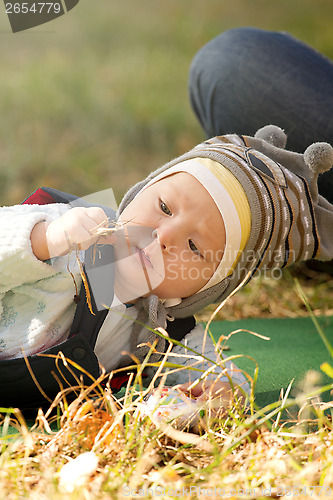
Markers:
point(170, 302)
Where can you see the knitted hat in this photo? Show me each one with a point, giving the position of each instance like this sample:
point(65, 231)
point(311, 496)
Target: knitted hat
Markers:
point(290, 221)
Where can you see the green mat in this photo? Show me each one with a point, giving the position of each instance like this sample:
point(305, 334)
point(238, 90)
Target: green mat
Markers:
point(294, 347)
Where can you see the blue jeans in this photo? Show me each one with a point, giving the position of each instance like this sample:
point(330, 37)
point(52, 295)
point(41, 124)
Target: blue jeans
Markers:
point(247, 78)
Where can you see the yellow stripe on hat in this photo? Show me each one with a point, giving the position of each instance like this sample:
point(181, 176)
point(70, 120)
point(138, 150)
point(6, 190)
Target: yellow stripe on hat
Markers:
point(239, 199)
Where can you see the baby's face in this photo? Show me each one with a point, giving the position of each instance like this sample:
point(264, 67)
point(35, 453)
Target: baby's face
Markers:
point(185, 244)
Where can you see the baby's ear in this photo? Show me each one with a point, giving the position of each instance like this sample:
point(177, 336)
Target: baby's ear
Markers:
point(273, 135)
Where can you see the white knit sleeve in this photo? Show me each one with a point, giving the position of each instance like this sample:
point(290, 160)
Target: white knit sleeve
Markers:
point(18, 264)
point(205, 361)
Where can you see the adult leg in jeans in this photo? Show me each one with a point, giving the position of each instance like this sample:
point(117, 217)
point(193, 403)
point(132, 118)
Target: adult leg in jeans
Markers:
point(247, 78)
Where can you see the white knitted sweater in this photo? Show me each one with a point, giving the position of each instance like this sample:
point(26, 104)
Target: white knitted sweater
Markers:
point(37, 307)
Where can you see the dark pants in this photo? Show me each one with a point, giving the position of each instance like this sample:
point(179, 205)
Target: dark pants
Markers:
point(247, 78)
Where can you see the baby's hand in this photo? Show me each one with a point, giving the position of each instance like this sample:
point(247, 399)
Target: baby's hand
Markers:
point(214, 394)
point(75, 229)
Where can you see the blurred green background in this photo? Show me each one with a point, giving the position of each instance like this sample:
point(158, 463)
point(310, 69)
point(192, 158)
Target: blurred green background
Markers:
point(98, 98)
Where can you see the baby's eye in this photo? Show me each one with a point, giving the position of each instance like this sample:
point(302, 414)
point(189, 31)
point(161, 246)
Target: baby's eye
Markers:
point(194, 248)
point(164, 207)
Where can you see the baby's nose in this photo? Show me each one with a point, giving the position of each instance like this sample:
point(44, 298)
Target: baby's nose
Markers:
point(162, 238)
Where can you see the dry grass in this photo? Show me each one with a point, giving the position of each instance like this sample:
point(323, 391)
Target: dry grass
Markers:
point(267, 297)
point(282, 450)
point(124, 457)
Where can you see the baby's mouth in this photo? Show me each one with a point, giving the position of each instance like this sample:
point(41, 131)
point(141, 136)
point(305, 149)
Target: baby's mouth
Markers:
point(144, 258)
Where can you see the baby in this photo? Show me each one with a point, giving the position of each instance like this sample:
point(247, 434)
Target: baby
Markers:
point(185, 237)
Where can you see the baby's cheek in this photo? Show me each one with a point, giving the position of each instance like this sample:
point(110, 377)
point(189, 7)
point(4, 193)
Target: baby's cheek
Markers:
point(207, 272)
point(172, 271)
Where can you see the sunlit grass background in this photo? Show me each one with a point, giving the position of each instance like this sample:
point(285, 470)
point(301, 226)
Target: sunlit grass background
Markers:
point(98, 98)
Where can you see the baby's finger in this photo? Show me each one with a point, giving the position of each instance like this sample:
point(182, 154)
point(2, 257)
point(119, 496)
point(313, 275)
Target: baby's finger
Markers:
point(88, 220)
point(110, 239)
point(195, 389)
point(94, 218)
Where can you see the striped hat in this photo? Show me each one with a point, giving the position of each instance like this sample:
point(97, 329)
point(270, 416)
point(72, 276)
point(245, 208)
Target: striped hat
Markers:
point(289, 221)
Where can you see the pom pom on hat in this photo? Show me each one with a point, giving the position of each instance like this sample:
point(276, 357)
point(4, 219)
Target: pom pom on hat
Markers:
point(319, 157)
point(273, 135)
